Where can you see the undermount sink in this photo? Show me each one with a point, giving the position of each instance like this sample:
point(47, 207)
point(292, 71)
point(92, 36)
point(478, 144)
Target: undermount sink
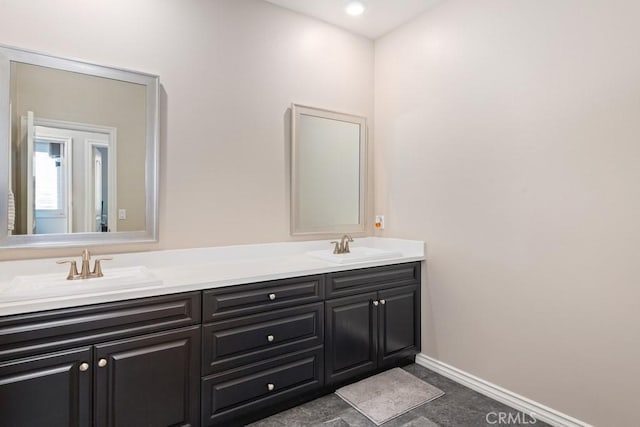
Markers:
point(357, 254)
point(56, 284)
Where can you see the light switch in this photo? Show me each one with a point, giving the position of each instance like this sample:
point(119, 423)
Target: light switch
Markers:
point(122, 214)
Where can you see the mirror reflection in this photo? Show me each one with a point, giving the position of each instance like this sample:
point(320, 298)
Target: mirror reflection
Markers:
point(328, 171)
point(75, 137)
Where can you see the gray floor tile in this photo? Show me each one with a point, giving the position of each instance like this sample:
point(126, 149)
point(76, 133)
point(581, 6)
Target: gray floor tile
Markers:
point(420, 422)
point(458, 407)
point(336, 422)
point(267, 422)
point(294, 417)
point(450, 411)
point(325, 408)
point(410, 418)
point(356, 419)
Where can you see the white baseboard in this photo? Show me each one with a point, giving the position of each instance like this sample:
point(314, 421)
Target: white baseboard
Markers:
point(509, 398)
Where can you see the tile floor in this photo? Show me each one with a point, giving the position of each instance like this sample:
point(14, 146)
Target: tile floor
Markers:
point(459, 407)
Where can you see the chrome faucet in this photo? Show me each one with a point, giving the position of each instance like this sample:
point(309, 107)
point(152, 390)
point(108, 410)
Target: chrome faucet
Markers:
point(85, 270)
point(342, 247)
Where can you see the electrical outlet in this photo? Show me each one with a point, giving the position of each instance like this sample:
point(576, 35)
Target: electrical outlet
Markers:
point(379, 222)
point(122, 214)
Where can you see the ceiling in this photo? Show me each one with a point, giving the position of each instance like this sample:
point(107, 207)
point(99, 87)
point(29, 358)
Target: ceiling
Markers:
point(380, 16)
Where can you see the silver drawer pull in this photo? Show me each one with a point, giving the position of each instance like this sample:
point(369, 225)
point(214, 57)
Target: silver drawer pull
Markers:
point(272, 297)
point(102, 363)
point(84, 366)
point(270, 338)
point(270, 387)
point(375, 303)
point(383, 302)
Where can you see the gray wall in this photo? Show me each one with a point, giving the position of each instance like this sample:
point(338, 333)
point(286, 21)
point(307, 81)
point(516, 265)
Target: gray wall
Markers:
point(507, 138)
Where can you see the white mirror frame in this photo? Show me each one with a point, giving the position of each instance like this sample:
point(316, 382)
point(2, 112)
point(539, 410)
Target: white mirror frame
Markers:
point(296, 228)
point(150, 233)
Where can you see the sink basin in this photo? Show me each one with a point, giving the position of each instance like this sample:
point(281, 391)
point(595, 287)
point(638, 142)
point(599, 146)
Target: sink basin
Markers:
point(357, 254)
point(54, 285)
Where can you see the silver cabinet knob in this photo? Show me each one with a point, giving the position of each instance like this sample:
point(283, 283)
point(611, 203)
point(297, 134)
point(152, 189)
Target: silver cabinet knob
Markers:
point(270, 387)
point(272, 297)
point(375, 303)
point(102, 363)
point(383, 302)
point(270, 338)
point(84, 367)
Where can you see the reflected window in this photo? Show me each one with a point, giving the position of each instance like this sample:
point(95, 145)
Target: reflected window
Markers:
point(49, 176)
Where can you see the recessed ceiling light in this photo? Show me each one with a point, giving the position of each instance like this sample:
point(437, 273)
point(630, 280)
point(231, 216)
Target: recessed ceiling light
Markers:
point(354, 8)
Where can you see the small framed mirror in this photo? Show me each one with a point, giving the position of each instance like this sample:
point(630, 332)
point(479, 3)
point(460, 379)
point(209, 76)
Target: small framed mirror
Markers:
point(78, 152)
point(328, 171)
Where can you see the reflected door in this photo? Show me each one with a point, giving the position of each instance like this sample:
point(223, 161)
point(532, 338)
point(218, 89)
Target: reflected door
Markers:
point(70, 178)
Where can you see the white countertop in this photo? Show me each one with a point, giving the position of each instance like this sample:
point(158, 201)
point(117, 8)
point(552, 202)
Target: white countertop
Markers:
point(196, 269)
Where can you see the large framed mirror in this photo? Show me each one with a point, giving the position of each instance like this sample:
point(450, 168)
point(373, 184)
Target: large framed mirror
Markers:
point(328, 171)
point(78, 152)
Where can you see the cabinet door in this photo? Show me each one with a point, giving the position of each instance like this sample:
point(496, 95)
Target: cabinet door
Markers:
point(48, 390)
point(149, 381)
point(399, 332)
point(351, 337)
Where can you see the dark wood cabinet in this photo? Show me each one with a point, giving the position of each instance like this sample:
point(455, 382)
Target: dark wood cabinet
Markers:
point(352, 337)
point(232, 395)
point(399, 330)
point(49, 390)
point(353, 282)
point(152, 380)
point(44, 332)
point(140, 379)
point(371, 330)
point(264, 346)
point(235, 342)
point(149, 381)
point(234, 301)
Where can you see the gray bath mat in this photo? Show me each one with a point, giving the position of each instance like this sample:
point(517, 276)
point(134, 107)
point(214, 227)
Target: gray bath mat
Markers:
point(388, 395)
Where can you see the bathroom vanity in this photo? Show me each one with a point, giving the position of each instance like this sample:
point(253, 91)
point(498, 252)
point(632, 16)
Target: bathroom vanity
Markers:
point(88, 365)
point(216, 355)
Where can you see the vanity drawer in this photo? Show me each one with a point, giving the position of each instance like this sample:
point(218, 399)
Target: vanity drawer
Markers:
point(238, 393)
point(223, 303)
point(231, 343)
point(353, 282)
point(41, 332)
